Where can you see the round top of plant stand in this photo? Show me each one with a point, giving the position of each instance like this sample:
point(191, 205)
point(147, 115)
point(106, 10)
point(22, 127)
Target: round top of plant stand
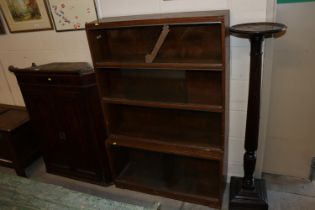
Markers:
point(258, 29)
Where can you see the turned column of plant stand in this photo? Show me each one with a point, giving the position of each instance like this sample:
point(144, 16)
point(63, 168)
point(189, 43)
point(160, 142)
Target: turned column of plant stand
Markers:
point(248, 193)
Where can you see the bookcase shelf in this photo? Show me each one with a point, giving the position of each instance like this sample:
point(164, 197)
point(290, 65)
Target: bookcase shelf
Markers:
point(202, 88)
point(201, 150)
point(162, 80)
point(212, 66)
point(184, 106)
point(183, 44)
point(182, 177)
point(165, 124)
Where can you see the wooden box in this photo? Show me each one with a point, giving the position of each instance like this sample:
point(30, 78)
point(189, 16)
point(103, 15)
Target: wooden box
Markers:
point(18, 146)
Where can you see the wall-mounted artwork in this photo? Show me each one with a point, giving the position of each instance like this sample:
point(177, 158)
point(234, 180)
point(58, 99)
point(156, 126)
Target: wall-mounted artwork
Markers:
point(26, 15)
point(69, 15)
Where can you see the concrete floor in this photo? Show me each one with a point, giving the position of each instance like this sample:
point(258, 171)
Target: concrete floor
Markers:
point(284, 193)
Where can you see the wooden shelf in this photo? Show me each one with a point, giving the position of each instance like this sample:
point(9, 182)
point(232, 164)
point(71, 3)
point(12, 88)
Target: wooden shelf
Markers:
point(165, 65)
point(187, 46)
point(180, 89)
point(183, 106)
point(178, 177)
point(193, 128)
point(199, 150)
point(165, 101)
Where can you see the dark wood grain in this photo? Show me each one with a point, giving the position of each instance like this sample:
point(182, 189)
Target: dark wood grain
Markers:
point(18, 145)
point(263, 29)
point(12, 118)
point(65, 112)
point(206, 151)
point(169, 124)
point(166, 120)
point(109, 41)
point(165, 86)
point(173, 64)
point(184, 106)
point(187, 178)
point(250, 193)
point(188, 40)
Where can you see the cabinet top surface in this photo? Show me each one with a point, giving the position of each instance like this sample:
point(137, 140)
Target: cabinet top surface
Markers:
point(148, 19)
point(12, 117)
point(63, 68)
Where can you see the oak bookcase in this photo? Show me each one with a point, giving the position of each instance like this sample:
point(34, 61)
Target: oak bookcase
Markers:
point(163, 83)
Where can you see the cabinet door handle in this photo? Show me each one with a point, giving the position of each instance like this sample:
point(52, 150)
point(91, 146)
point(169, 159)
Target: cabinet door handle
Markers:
point(62, 136)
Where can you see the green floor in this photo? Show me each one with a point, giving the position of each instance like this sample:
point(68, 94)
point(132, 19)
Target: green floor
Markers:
point(284, 193)
point(18, 193)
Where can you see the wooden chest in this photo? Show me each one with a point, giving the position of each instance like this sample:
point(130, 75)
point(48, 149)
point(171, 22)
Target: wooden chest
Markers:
point(18, 146)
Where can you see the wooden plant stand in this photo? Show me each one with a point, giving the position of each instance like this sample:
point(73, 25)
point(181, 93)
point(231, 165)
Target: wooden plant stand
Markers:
point(249, 193)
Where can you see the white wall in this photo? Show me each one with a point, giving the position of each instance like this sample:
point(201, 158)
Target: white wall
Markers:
point(21, 49)
point(42, 47)
point(290, 142)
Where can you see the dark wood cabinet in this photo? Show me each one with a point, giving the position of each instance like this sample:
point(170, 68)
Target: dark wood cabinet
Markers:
point(64, 107)
point(18, 145)
point(163, 84)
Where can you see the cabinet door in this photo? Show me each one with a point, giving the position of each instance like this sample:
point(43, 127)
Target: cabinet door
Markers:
point(72, 112)
point(40, 105)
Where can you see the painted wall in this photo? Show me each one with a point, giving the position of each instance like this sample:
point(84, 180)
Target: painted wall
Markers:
point(21, 49)
point(290, 142)
point(43, 47)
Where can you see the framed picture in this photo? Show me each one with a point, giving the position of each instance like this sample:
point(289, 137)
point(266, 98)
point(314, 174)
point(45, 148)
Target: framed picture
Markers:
point(26, 15)
point(2, 30)
point(69, 15)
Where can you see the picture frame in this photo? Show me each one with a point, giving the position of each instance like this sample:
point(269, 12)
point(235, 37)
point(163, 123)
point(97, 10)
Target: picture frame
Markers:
point(26, 15)
point(71, 15)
